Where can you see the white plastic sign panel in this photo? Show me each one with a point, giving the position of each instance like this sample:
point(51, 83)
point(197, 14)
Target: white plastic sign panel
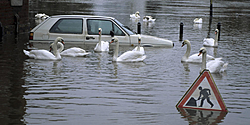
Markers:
point(203, 94)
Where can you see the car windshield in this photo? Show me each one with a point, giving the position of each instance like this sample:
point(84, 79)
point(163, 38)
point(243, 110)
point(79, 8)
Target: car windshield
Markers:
point(126, 28)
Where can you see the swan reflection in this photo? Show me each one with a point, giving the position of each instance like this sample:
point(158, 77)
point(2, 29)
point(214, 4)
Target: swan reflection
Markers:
point(128, 67)
point(212, 51)
point(197, 26)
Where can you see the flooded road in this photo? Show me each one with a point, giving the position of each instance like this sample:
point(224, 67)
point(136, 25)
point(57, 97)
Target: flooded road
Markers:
point(94, 90)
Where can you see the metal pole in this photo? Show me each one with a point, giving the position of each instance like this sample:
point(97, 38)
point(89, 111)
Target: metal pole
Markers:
point(181, 31)
point(211, 8)
point(218, 27)
point(138, 28)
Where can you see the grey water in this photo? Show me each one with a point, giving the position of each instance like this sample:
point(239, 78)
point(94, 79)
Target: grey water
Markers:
point(95, 90)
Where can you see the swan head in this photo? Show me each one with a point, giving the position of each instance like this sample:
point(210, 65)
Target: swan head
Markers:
point(216, 31)
point(139, 40)
point(100, 30)
point(59, 39)
point(185, 42)
point(202, 50)
point(114, 39)
point(137, 13)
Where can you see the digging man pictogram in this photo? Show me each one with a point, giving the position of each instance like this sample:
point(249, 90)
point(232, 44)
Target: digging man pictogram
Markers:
point(205, 95)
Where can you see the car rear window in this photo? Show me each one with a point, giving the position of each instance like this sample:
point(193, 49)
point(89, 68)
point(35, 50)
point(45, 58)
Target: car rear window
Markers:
point(94, 24)
point(70, 26)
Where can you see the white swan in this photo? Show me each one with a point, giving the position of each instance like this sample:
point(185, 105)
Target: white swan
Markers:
point(73, 52)
point(135, 16)
point(41, 16)
point(214, 66)
point(129, 56)
point(210, 42)
point(148, 19)
point(139, 48)
point(45, 54)
point(101, 45)
point(198, 20)
point(193, 58)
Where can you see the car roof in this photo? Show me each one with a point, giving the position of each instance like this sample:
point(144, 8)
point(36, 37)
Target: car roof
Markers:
point(81, 16)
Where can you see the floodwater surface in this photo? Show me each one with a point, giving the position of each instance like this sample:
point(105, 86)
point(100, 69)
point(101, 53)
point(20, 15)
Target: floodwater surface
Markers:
point(93, 90)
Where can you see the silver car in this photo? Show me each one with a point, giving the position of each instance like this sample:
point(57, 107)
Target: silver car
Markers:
point(83, 29)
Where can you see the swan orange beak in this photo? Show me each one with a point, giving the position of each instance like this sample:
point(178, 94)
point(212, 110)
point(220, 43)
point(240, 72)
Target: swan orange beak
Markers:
point(63, 42)
point(50, 49)
point(200, 52)
point(112, 40)
point(182, 44)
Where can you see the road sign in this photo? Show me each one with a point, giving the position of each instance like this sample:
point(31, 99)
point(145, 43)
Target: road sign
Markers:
point(203, 94)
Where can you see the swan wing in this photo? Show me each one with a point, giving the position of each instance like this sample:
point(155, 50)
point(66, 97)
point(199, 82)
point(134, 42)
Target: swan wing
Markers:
point(208, 42)
point(224, 67)
point(134, 16)
point(26, 52)
point(195, 58)
point(198, 59)
point(214, 66)
point(198, 20)
point(141, 49)
point(103, 47)
point(42, 54)
point(209, 57)
point(74, 51)
point(97, 47)
point(131, 56)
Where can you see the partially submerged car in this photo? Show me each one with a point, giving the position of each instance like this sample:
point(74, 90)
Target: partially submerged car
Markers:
point(83, 29)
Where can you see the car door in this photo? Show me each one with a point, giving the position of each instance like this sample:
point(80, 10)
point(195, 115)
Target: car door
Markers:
point(70, 29)
point(107, 26)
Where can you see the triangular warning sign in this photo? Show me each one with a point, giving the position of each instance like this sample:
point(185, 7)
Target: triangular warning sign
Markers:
point(203, 94)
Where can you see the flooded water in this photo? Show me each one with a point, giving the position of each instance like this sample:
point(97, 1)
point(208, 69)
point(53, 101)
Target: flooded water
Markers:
point(94, 90)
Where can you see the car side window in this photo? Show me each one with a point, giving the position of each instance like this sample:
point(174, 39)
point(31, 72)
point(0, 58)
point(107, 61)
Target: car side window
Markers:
point(93, 25)
point(71, 26)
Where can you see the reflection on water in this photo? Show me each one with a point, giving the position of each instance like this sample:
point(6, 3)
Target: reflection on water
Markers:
point(95, 90)
point(198, 26)
point(11, 91)
point(202, 117)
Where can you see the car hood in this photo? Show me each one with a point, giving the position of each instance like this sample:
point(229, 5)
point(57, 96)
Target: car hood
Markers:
point(151, 41)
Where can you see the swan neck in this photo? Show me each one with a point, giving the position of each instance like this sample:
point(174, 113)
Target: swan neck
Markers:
point(216, 39)
point(61, 47)
point(187, 54)
point(54, 47)
point(57, 55)
point(138, 47)
point(116, 51)
point(100, 36)
point(55, 50)
point(203, 65)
